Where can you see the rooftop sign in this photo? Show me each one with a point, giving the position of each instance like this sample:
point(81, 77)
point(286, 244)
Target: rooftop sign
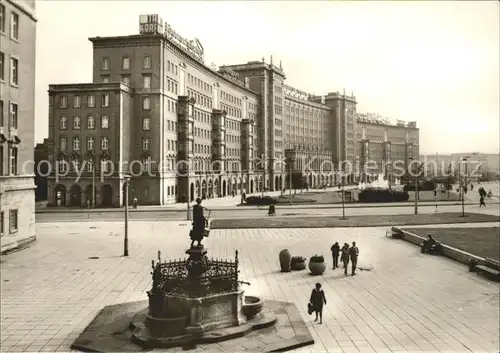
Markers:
point(153, 24)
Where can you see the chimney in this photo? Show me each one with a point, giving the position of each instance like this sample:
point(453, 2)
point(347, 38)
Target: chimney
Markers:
point(247, 82)
point(271, 60)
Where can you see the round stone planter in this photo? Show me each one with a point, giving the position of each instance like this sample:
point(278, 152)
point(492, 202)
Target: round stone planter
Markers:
point(298, 266)
point(285, 258)
point(317, 268)
point(252, 306)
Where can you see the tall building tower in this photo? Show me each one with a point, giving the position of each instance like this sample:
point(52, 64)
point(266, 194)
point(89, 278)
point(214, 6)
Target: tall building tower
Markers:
point(17, 117)
point(267, 80)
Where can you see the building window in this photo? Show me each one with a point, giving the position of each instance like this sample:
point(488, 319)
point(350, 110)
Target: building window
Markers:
point(76, 165)
point(147, 62)
point(146, 124)
point(76, 123)
point(63, 143)
point(1, 113)
point(105, 64)
point(105, 100)
point(63, 102)
point(13, 221)
point(104, 122)
point(2, 24)
point(63, 123)
point(62, 166)
point(76, 143)
point(13, 161)
point(125, 63)
point(90, 122)
point(14, 115)
point(1, 218)
point(104, 143)
point(14, 26)
point(90, 165)
point(126, 79)
point(77, 102)
point(146, 81)
point(105, 164)
point(145, 144)
point(2, 66)
point(14, 71)
point(105, 79)
point(91, 101)
point(90, 143)
point(1, 160)
point(146, 103)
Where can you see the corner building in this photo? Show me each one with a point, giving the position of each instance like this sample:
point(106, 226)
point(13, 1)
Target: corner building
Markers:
point(184, 130)
point(17, 123)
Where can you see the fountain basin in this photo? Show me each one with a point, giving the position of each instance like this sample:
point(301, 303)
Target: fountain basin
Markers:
point(252, 306)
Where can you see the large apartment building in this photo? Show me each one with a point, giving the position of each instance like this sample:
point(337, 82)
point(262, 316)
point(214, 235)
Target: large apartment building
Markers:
point(185, 130)
point(387, 146)
point(17, 100)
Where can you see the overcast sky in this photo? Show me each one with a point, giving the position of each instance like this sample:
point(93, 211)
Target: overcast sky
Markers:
point(436, 63)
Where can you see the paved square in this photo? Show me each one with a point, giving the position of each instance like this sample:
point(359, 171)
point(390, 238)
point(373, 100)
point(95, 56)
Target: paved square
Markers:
point(408, 302)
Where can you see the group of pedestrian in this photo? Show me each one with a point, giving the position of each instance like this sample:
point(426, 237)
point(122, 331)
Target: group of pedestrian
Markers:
point(346, 254)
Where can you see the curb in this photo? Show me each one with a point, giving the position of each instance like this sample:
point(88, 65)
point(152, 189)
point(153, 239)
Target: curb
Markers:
point(448, 251)
point(236, 207)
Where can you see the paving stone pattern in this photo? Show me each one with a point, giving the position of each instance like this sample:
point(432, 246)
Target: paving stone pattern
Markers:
point(408, 302)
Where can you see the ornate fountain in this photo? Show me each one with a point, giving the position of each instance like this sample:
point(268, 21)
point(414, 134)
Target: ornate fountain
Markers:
point(195, 300)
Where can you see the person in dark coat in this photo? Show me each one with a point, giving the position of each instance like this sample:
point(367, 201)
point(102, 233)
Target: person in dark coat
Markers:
point(335, 254)
point(353, 254)
point(317, 300)
point(481, 201)
point(345, 257)
point(198, 223)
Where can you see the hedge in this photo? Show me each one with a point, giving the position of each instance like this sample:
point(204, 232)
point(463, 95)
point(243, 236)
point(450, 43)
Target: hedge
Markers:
point(382, 195)
point(260, 201)
point(428, 185)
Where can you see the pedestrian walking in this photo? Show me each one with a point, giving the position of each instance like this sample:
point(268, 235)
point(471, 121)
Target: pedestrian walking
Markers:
point(317, 301)
point(345, 257)
point(354, 253)
point(481, 201)
point(335, 254)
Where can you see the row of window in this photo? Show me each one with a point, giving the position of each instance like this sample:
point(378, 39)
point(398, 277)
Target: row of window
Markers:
point(77, 122)
point(200, 99)
point(13, 222)
point(77, 101)
point(63, 165)
point(13, 114)
point(13, 158)
point(199, 83)
point(237, 113)
point(230, 98)
point(14, 23)
point(125, 63)
point(76, 144)
point(14, 69)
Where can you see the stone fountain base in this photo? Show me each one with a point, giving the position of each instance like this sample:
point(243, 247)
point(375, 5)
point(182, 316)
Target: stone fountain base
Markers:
point(121, 328)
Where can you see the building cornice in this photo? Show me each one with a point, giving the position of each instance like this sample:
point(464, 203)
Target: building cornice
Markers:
point(309, 103)
point(157, 39)
point(27, 7)
point(89, 87)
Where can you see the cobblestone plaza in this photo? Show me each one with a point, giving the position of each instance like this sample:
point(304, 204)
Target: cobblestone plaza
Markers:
point(403, 302)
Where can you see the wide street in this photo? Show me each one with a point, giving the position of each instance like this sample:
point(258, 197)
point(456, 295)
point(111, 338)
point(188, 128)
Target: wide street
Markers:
point(252, 211)
point(403, 301)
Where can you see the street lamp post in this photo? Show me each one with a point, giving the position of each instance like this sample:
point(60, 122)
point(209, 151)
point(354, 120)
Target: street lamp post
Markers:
point(290, 191)
point(416, 185)
point(462, 185)
point(343, 201)
point(125, 240)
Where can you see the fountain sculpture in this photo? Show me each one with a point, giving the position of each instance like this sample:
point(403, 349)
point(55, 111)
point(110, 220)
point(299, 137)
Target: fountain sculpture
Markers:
point(195, 301)
point(379, 183)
